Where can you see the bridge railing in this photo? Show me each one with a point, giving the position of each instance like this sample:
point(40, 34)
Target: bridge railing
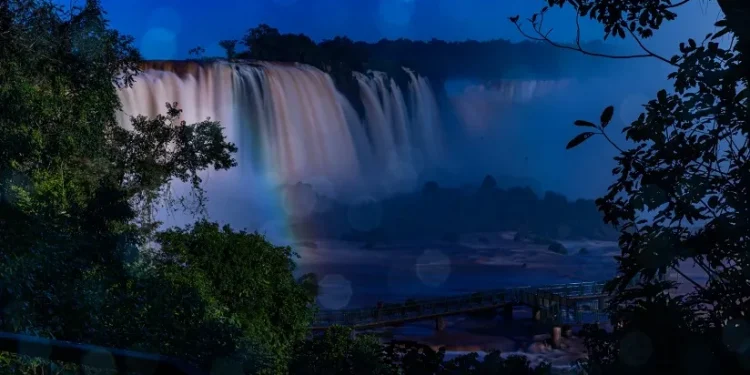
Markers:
point(426, 307)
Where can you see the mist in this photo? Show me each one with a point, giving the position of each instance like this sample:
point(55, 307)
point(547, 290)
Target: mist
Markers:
point(526, 137)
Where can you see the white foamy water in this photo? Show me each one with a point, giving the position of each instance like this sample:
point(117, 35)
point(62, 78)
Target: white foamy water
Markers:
point(292, 124)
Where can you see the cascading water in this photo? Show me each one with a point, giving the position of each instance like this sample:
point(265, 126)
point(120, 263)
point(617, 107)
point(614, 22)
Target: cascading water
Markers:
point(292, 125)
point(481, 106)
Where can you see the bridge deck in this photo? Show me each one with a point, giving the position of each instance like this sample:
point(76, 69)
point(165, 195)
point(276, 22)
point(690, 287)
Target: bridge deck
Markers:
point(558, 303)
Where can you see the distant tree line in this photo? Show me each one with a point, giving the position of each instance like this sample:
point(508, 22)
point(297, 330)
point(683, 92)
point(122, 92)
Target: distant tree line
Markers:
point(436, 59)
point(445, 213)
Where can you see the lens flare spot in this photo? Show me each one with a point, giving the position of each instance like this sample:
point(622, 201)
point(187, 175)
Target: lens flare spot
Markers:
point(166, 18)
point(635, 349)
point(433, 268)
point(736, 335)
point(335, 292)
point(159, 44)
point(396, 12)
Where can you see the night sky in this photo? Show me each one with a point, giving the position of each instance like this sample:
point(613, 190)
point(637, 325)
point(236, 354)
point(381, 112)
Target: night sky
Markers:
point(167, 29)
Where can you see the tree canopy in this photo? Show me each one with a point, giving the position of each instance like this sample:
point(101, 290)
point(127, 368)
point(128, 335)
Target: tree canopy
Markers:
point(680, 196)
point(78, 194)
point(436, 211)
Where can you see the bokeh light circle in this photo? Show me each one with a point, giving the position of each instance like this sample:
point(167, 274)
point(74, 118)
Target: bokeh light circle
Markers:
point(457, 10)
point(433, 268)
point(335, 292)
point(635, 349)
point(299, 201)
point(396, 12)
point(736, 335)
point(402, 175)
point(159, 44)
point(167, 18)
point(100, 359)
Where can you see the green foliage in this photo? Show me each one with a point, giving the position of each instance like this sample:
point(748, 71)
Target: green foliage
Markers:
point(337, 353)
point(78, 192)
point(247, 277)
point(687, 166)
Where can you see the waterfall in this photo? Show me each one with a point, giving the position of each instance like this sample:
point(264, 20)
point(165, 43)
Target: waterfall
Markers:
point(480, 107)
point(291, 124)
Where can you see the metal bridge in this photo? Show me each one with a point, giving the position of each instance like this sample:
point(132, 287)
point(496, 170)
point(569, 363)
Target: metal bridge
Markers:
point(573, 303)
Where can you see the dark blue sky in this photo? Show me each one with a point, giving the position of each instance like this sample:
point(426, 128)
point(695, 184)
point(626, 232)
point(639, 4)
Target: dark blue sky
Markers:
point(169, 28)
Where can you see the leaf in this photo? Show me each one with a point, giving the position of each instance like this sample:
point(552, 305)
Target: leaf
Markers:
point(584, 123)
point(713, 201)
point(742, 95)
point(721, 33)
point(579, 139)
point(514, 19)
point(662, 96)
point(606, 116)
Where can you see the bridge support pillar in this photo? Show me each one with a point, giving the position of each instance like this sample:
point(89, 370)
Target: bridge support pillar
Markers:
point(508, 312)
point(602, 303)
point(353, 334)
point(556, 336)
point(536, 314)
point(439, 324)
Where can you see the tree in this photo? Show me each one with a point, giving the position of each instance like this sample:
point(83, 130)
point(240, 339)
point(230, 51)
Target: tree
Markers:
point(247, 277)
point(78, 191)
point(198, 52)
point(230, 46)
point(688, 166)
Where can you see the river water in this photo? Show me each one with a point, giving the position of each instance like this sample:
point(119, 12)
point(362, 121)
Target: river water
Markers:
point(352, 277)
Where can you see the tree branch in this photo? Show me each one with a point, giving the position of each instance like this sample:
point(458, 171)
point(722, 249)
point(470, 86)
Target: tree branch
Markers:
point(544, 37)
point(648, 51)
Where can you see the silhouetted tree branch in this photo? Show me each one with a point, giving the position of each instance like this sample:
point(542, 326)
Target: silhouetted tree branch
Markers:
point(537, 22)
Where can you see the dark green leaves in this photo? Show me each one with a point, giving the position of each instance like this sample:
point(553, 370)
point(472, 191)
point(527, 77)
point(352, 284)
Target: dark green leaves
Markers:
point(606, 116)
point(584, 123)
point(725, 29)
point(662, 96)
point(580, 138)
point(713, 202)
